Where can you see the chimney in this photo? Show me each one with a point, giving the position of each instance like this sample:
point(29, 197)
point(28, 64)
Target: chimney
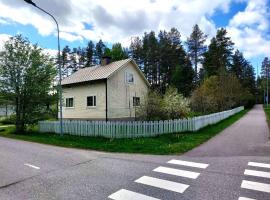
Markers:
point(106, 60)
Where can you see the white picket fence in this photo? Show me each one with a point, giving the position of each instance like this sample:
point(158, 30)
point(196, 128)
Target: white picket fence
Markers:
point(134, 129)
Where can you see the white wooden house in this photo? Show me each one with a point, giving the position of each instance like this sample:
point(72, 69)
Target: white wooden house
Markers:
point(110, 91)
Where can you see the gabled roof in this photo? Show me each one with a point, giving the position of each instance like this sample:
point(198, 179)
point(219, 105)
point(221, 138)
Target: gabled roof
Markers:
point(99, 72)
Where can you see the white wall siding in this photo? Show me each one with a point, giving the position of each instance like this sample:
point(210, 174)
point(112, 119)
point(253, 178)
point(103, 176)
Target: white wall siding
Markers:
point(80, 94)
point(135, 129)
point(120, 93)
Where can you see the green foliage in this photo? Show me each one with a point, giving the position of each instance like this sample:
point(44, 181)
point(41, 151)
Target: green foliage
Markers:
point(196, 47)
point(26, 75)
point(171, 105)
point(8, 120)
point(217, 93)
point(219, 54)
point(175, 105)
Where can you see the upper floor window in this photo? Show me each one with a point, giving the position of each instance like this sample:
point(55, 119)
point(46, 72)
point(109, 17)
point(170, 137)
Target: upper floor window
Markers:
point(136, 101)
point(129, 77)
point(91, 101)
point(69, 102)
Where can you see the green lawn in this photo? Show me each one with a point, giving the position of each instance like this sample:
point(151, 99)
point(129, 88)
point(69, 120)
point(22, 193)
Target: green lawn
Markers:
point(267, 112)
point(167, 144)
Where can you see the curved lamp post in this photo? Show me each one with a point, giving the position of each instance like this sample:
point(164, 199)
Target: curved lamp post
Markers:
point(59, 64)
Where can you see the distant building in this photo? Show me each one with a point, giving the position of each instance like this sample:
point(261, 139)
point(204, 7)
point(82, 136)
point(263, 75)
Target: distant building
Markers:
point(6, 110)
point(110, 91)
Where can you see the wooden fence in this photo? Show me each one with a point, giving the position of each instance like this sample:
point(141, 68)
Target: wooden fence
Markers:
point(134, 129)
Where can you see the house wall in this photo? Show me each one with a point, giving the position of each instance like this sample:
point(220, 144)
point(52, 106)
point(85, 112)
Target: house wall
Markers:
point(80, 109)
point(120, 93)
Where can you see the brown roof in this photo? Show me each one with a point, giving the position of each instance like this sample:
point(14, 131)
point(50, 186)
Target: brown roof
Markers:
point(97, 72)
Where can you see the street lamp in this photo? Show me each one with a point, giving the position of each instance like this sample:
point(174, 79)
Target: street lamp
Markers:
point(59, 64)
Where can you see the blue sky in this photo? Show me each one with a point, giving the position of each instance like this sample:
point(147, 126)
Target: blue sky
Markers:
point(247, 21)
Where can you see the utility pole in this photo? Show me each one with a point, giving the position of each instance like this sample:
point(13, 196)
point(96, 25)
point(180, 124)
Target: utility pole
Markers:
point(59, 64)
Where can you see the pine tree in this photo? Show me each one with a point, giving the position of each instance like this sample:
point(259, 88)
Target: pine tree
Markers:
point(89, 54)
point(118, 52)
point(219, 54)
point(196, 47)
point(99, 52)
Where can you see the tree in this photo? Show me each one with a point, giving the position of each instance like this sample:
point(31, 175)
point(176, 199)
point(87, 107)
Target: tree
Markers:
point(218, 93)
point(118, 52)
point(219, 54)
point(100, 49)
point(244, 71)
point(90, 54)
point(196, 47)
point(26, 73)
point(65, 59)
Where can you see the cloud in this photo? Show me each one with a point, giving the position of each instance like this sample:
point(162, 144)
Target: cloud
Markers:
point(118, 20)
point(3, 39)
point(114, 20)
point(249, 29)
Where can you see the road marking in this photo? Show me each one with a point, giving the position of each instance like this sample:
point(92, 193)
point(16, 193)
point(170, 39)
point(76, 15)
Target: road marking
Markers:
point(257, 173)
point(129, 195)
point(33, 166)
point(244, 198)
point(255, 186)
point(163, 184)
point(255, 164)
point(177, 172)
point(189, 164)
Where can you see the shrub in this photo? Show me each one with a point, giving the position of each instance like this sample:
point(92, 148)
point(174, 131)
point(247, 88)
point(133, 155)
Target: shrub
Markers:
point(171, 105)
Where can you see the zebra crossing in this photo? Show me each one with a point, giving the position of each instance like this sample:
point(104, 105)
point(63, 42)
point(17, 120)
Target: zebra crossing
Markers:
point(172, 186)
point(254, 185)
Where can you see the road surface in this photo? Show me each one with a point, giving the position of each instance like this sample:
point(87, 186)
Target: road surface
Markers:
point(233, 165)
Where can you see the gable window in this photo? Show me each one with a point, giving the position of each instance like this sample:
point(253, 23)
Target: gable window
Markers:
point(91, 101)
point(129, 77)
point(136, 101)
point(69, 102)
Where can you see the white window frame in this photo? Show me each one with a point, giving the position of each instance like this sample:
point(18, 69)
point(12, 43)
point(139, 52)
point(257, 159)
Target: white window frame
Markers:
point(94, 101)
point(73, 102)
point(127, 77)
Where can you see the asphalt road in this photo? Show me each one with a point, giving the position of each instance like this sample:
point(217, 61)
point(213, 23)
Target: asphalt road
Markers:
point(35, 171)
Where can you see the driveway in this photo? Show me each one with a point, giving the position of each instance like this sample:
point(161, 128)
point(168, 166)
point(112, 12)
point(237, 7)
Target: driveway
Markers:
point(233, 165)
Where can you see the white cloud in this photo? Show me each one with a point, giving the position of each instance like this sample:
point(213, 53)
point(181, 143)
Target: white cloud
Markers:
point(120, 20)
point(248, 29)
point(114, 20)
point(3, 39)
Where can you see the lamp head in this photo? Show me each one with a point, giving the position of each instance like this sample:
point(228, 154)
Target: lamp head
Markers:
point(30, 2)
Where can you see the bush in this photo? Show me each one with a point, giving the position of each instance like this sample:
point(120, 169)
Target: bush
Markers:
point(8, 120)
point(217, 93)
point(171, 105)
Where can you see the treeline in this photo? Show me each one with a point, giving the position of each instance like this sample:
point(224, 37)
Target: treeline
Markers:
point(167, 60)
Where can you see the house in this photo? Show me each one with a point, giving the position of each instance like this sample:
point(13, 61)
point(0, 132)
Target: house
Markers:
point(110, 91)
point(6, 110)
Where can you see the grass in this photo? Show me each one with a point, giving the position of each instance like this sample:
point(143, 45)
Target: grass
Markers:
point(267, 112)
point(166, 144)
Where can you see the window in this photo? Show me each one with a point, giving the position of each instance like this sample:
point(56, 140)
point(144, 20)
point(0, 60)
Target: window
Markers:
point(69, 102)
point(136, 101)
point(129, 77)
point(91, 101)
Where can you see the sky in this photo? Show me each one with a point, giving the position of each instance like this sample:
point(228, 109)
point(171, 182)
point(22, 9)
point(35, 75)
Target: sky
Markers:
point(247, 21)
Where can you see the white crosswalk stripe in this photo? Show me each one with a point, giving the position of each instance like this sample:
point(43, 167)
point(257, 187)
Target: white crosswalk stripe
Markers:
point(189, 164)
point(163, 184)
point(129, 195)
point(124, 194)
point(256, 164)
point(244, 198)
point(177, 172)
point(262, 187)
point(257, 173)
